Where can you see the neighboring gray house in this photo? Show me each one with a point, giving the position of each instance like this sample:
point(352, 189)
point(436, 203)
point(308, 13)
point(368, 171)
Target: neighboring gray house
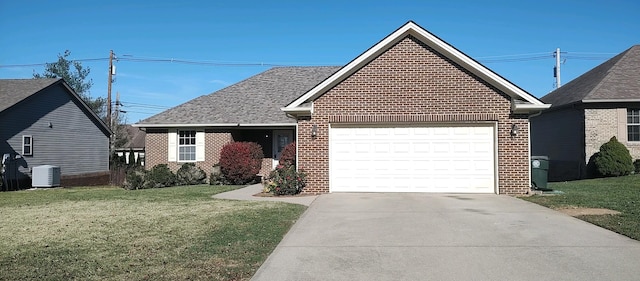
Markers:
point(44, 122)
point(197, 130)
point(588, 111)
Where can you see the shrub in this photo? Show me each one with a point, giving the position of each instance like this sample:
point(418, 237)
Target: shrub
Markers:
point(592, 170)
point(636, 165)
point(216, 177)
point(285, 180)
point(159, 176)
point(240, 162)
point(288, 155)
point(116, 161)
point(135, 179)
point(613, 159)
point(189, 174)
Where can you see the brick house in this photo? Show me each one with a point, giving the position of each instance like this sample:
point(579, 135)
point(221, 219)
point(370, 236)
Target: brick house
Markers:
point(410, 114)
point(249, 110)
point(588, 111)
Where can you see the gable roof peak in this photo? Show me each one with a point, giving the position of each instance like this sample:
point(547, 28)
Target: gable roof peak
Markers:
point(531, 103)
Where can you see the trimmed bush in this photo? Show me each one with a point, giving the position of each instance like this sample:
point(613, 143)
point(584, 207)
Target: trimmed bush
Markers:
point(592, 170)
point(189, 174)
point(216, 177)
point(135, 179)
point(613, 159)
point(285, 180)
point(288, 155)
point(636, 165)
point(240, 162)
point(159, 176)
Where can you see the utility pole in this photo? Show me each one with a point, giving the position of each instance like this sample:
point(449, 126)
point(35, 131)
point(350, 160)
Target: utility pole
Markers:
point(109, 81)
point(556, 70)
point(116, 120)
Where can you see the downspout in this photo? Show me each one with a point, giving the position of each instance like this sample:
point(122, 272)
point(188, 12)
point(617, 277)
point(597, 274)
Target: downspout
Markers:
point(529, 129)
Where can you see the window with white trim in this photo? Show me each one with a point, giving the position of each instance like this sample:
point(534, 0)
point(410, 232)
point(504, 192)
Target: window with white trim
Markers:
point(27, 145)
point(633, 124)
point(187, 146)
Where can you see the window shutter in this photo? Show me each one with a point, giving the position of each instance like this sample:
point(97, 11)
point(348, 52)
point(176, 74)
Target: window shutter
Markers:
point(200, 146)
point(172, 148)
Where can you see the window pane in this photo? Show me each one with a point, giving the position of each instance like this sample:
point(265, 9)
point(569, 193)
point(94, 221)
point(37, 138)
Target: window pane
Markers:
point(187, 153)
point(186, 146)
point(27, 140)
point(633, 116)
point(27, 150)
point(633, 133)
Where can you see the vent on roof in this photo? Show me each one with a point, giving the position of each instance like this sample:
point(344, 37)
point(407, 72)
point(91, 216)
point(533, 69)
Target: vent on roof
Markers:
point(45, 176)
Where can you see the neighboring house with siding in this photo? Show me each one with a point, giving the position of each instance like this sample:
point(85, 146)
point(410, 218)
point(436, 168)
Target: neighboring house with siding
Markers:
point(44, 122)
point(586, 112)
point(410, 114)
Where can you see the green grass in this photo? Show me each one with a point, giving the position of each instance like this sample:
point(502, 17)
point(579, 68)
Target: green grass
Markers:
point(106, 233)
point(621, 194)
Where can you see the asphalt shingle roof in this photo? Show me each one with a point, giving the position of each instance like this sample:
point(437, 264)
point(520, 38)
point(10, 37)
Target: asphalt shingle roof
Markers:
point(256, 100)
point(616, 79)
point(13, 91)
point(136, 138)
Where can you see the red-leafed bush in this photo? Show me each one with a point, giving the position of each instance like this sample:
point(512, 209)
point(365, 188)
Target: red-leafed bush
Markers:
point(240, 162)
point(288, 155)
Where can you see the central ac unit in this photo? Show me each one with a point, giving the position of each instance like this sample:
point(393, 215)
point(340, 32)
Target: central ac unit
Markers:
point(45, 176)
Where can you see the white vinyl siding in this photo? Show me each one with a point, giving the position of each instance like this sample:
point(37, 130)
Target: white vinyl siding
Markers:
point(446, 158)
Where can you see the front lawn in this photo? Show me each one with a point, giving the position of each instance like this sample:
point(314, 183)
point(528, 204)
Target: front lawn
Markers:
point(107, 233)
point(621, 194)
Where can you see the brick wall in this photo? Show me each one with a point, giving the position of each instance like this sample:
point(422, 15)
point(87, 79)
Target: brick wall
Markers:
point(600, 125)
point(603, 123)
point(157, 148)
point(411, 83)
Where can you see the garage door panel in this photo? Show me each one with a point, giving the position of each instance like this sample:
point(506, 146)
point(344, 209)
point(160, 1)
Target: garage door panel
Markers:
point(412, 159)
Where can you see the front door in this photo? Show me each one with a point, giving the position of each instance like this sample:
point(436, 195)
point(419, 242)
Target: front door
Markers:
point(280, 139)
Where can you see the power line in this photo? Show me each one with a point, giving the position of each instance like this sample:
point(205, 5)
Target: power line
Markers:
point(45, 63)
point(145, 105)
point(483, 59)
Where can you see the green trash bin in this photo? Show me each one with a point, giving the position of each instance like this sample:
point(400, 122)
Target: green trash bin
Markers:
point(539, 171)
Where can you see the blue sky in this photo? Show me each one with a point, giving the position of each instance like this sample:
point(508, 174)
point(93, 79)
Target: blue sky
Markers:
point(233, 38)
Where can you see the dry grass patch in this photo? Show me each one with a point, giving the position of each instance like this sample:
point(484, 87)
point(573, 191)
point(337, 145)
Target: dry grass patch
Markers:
point(161, 234)
point(575, 211)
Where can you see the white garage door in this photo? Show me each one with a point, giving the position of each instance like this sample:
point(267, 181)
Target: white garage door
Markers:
point(448, 158)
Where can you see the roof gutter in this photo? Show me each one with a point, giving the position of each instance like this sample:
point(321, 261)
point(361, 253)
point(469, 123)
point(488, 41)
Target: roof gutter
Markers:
point(610, 100)
point(297, 111)
point(212, 125)
point(528, 108)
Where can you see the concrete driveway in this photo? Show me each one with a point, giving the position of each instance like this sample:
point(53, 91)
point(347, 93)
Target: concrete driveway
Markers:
point(446, 237)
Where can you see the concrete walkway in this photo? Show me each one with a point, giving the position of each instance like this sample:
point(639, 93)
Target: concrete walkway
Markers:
point(414, 236)
point(248, 192)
